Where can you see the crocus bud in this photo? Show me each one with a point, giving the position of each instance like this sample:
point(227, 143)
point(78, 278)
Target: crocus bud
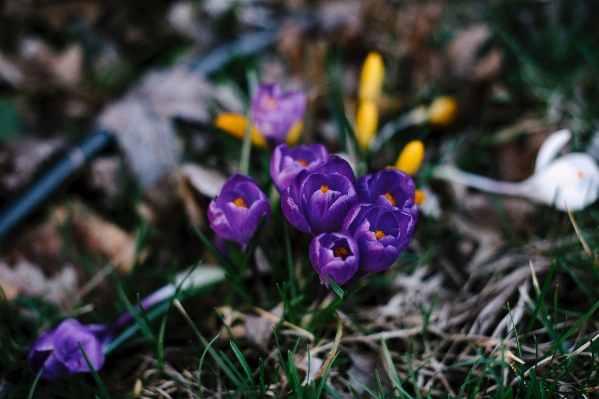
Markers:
point(443, 111)
point(336, 255)
point(275, 112)
point(287, 163)
point(318, 202)
point(381, 233)
point(236, 125)
point(411, 157)
point(367, 119)
point(235, 214)
point(371, 78)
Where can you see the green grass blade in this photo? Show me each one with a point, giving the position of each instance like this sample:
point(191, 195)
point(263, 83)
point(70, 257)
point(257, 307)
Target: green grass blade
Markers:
point(94, 373)
point(37, 377)
point(201, 363)
point(297, 384)
point(338, 290)
point(370, 391)
point(243, 363)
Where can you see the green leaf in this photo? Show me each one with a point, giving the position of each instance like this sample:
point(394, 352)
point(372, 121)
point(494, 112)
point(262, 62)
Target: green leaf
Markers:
point(338, 290)
point(94, 373)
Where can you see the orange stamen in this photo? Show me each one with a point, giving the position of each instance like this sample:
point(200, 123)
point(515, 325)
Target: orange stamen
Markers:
point(272, 102)
point(342, 252)
point(240, 202)
point(379, 234)
point(390, 198)
point(419, 197)
point(302, 162)
point(580, 174)
point(324, 189)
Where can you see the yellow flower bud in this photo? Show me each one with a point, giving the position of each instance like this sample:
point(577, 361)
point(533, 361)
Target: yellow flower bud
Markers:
point(367, 119)
point(443, 111)
point(294, 133)
point(371, 78)
point(419, 197)
point(236, 126)
point(411, 157)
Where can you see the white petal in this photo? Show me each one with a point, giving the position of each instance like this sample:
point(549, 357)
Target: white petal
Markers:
point(551, 147)
point(571, 180)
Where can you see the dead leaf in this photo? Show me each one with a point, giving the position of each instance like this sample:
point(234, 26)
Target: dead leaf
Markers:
point(20, 160)
point(462, 55)
point(66, 67)
point(98, 236)
point(27, 279)
point(10, 72)
point(259, 328)
point(148, 141)
point(206, 181)
point(104, 176)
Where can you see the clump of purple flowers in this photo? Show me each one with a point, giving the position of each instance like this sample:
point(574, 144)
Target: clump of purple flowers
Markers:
point(358, 226)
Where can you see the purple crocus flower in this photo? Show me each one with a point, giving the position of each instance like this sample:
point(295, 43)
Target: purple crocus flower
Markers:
point(275, 112)
point(58, 352)
point(319, 202)
point(388, 187)
point(382, 233)
point(287, 163)
point(336, 255)
point(235, 214)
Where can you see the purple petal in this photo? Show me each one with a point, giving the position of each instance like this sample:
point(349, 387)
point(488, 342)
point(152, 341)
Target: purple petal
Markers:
point(335, 255)
point(290, 208)
point(236, 213)
point(388, 187)
point(337, 165)
point(66, 348)
point(287, 163)
point(274, 112)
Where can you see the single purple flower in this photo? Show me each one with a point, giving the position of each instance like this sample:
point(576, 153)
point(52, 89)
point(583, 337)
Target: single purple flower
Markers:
point(235, 214)
point(382, 233)
point(336, 255)
point(287, 163)
point(319, 203)
point(58, 352)
point(388, 187)
point(275, 112)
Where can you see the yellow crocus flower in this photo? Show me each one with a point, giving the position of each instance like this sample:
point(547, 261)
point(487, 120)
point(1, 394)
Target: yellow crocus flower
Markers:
point(367, 119)
point(236, 126)
point(371, 78)
point(443, 111)
point(294, 133)
point(411, 157)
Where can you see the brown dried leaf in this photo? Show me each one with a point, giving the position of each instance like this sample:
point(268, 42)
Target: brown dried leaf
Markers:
point(462, 55)
point(96, 235)
point(205, 181)
point(27, 279)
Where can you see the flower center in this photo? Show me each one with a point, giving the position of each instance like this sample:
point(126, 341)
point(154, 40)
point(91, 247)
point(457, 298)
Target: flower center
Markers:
point(342, 252)
point(302, 162)
point(379, 234)
point(580, 174)
point(272, 102)
point(324, 189)
point(390, 198)
point(240, 202)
